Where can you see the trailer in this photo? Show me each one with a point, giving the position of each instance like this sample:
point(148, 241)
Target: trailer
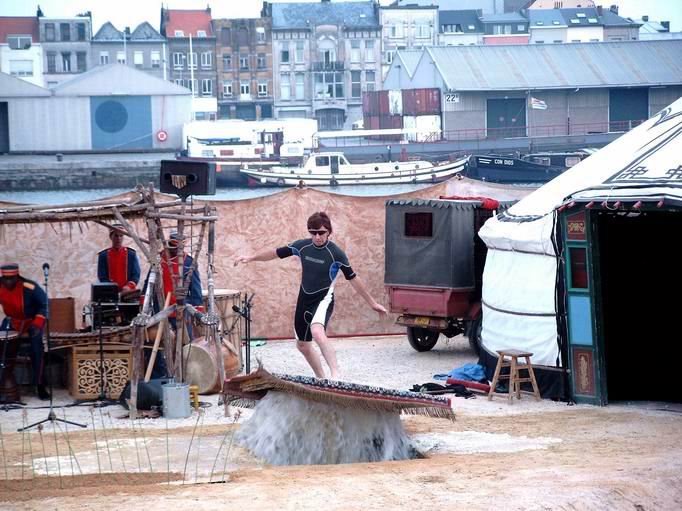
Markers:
point(434, 266)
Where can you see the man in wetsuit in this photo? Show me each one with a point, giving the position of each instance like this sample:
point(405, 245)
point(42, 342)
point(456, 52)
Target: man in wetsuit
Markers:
point(321, 261)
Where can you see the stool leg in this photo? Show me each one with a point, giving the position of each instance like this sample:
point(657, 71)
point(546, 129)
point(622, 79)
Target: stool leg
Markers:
point(513, 377)
point(496, 376)
point(536, 391)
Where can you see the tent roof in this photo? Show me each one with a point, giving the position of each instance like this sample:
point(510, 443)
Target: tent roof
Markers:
point(13, 87)
point(644, 164)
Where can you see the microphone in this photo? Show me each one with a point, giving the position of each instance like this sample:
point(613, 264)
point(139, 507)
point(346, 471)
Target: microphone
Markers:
point(46, 269)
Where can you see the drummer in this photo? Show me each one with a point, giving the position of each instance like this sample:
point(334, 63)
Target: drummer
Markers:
point(24, 303)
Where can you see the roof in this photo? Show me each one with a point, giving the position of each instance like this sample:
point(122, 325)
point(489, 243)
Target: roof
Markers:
point(287, 16)
point(19, 25)
point(506, 17)
point(467, 19)
point(13, 87)
point(143, 32)
point(410, 60)
point(559, 66)
point(189, 21)
point(117, 80)
point(487, 6)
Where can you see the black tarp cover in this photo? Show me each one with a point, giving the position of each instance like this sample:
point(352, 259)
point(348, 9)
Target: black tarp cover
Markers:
point(445, 259)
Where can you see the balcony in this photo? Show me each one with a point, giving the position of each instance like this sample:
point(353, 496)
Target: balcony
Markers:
point(327, 66)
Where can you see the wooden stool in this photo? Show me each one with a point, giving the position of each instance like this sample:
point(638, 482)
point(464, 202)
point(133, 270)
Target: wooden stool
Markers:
point(510, 358)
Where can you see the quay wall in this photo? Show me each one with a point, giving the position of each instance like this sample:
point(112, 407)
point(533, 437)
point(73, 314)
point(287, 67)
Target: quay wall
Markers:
point(244, 227)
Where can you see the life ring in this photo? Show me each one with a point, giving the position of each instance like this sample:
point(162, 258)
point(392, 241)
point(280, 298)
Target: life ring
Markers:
point(161, 135)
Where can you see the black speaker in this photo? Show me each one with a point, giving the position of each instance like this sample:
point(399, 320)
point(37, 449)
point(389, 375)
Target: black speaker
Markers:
point(104, 292)
point(149, 394)
point(185, 178)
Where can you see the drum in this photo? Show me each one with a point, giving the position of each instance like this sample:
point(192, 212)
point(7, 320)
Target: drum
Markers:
point(201, 369)
point(9, 343)
point(230, 326)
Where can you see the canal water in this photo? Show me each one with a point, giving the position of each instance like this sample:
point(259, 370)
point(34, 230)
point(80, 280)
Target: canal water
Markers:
point(56, 197)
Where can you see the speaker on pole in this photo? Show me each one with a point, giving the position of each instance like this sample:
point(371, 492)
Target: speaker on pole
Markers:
point(185, 178)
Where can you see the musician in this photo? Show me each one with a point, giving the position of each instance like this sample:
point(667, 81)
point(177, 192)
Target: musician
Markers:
point(24, 303)
point(119, 264)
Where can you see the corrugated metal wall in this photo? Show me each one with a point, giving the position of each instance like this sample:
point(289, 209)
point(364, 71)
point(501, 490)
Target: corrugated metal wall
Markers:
point(589, 110)
point(550, 122)
point(50, 124)
point(464, 115)
point(661, 98)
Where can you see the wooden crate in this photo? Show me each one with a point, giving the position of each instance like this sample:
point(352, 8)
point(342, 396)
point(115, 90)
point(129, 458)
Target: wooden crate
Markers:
point(84, 370)
point(62, 314)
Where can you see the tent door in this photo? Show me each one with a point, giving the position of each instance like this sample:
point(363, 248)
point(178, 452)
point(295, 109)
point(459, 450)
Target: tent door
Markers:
point(4, 128)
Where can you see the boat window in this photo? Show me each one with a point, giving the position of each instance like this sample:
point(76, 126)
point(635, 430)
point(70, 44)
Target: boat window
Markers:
point(419, 225)
point(542, 160)
point(572, 160)
point(322, 161)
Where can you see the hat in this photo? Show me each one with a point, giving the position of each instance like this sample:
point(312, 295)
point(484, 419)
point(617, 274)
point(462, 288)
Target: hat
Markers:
point(173, 240)
point(114, 228)
point(9, 270)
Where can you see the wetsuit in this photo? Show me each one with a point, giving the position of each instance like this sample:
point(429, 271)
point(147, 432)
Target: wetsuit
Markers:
point(320, 267)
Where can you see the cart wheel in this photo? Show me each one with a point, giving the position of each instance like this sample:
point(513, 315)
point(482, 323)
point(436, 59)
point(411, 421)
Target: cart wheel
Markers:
point(422, 339)
point(475, 334)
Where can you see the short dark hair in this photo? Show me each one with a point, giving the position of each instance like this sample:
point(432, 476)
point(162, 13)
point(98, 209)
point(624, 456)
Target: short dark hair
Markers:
point(320, 219)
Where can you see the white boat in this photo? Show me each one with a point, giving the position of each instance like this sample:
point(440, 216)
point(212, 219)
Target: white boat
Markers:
point(332, 169)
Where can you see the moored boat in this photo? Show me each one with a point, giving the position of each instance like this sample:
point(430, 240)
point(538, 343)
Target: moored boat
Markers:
point(332, 169)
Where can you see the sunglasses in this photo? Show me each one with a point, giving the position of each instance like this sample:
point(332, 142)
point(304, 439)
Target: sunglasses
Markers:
point(314, 232)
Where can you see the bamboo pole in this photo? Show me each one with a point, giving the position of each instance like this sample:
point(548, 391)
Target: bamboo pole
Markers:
point(157, 340)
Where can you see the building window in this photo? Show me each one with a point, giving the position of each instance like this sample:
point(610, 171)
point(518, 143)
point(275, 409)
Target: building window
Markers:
point(103, 58)
point(520, 28)
point(285, 87)
point(244, 88)
point(370, 80)
point(260, 34)
point(539, 42)
point(21, 67)
point(355, 50)
point(49, 31)
point(178, 58)
point(81, 66)
point(80, 31)
point(192, 57)
point(423, 32)
point(369, 51)
point(260, 59)
point(262, 89)
point(243, 62)
point(193, 85)
point(225, 36)
point(66, 61)
point(120, 57)
point(19, 42)
point(501, 29)
point(207, 87)
point(138, 59)
point(284, 55)
point(201, 33)
point(156, 58)
point(328, 85)
point(300, 86)
point(300, 45)
point(396, 31)
point(179, 33)
point(179, 81)
point(355, 85)
point(51, 62)
point(227, 89)
point(389, 57)
point(207, 59)
point(242, 37)
point(65, 32)
point(227, 61)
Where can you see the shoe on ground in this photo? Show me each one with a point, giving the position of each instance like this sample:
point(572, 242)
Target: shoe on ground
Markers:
point(42, 392)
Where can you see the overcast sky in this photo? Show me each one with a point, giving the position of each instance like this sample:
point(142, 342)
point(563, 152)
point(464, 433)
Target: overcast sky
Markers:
point(131, 13)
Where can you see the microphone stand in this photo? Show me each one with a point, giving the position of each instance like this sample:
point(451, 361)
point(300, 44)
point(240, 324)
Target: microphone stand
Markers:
point(51, 417)
point(245, 312)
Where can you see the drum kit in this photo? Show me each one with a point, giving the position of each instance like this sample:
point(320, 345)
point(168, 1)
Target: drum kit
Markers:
point(9, 390)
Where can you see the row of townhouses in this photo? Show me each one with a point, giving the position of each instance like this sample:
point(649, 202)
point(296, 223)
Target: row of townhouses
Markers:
point(296, 59)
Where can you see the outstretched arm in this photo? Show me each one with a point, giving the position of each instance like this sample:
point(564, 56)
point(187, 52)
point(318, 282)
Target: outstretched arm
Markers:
point(266, 255)
point(360, 288)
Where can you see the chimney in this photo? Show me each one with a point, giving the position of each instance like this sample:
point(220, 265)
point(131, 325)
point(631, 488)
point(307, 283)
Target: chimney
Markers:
point(39, 12)
point(645, 18)
point(600, 10)
point(666, 25)
point(614, 9)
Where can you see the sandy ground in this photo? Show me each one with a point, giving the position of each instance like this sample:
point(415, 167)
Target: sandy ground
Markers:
point(529, 455)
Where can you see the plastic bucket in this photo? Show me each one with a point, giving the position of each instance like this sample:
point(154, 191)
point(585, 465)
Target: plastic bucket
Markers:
point(176, 400)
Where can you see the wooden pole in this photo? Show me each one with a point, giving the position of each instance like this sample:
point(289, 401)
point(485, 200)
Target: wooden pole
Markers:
point(157, 341)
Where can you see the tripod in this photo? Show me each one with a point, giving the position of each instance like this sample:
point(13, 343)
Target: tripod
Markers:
point(102, 400)
point(245, 312)
point(51, 417)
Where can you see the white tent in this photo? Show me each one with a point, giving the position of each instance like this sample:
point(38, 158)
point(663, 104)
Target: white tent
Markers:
point(520, 280)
